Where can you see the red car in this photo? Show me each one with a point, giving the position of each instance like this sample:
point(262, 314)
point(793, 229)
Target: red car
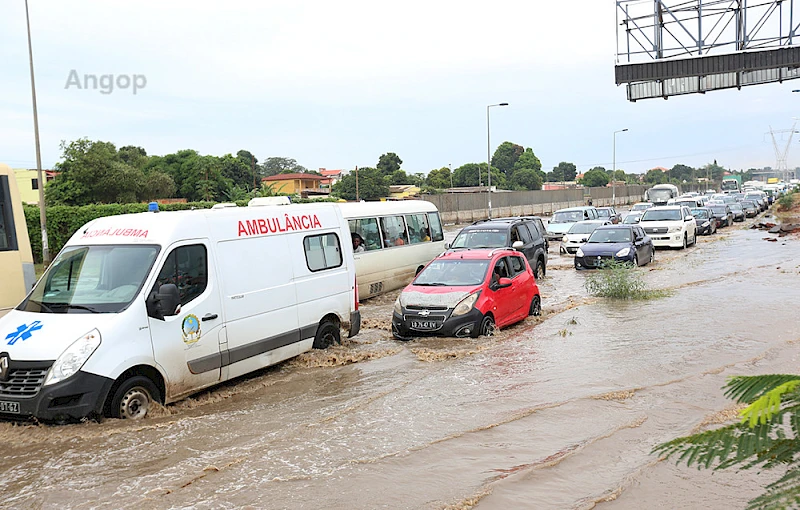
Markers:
point(466, 293)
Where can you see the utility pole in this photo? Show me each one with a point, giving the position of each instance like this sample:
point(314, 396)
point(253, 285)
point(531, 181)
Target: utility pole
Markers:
point(450, 166)
point(357, 199)
point(42, 182)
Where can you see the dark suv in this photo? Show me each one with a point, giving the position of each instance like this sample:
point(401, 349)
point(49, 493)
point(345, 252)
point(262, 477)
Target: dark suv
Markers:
point(503, 233)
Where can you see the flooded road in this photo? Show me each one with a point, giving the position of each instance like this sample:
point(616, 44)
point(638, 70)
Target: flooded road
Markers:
point(560, 411)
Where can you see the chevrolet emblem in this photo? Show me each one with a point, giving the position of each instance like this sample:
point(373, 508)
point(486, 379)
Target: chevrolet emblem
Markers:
point(424, 313)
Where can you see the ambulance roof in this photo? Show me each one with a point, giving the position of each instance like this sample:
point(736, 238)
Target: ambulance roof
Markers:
point(166, 227)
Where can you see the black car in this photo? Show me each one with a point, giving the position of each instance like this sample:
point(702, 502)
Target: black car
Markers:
point(704, 217)
point(623, 243)
point(505, 233)
point(723, 215)
point(750, 208)
point(738, 212)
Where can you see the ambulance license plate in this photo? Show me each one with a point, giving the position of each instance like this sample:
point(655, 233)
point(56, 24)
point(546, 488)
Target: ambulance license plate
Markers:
point(9, 407)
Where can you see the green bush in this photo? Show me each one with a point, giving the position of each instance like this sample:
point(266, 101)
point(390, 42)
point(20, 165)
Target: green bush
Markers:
point(618, 280)
point(786, 202)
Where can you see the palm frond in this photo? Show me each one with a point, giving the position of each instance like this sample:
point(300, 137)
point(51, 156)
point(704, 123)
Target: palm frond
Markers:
point(746, 389)
point(782, 494)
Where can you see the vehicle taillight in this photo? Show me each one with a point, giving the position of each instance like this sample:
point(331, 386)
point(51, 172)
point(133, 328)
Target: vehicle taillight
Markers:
point(355, 286)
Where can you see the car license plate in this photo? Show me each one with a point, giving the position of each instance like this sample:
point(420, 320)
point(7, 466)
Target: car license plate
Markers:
point(9, 407)
point(425, 324)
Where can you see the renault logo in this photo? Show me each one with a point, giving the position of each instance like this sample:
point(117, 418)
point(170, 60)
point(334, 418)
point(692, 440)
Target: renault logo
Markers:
point(424, 313)
point(3, 368)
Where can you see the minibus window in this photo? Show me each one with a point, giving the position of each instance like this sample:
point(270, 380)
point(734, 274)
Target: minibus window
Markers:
point(418, 229)
point(322, 252)
point(394, 231)
point(8, 238)
point(436, 227)
point(92, 279)
point(367, 228)
point(187, 268)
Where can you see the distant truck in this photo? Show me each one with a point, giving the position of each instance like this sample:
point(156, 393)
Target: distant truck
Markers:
point(732, 184)
point(660, 194)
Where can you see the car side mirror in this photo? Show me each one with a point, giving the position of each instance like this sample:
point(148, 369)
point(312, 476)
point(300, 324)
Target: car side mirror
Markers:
point(689, 218)
point(164, 303)
point(446, 246)
point(503, 283)
point(517, 245)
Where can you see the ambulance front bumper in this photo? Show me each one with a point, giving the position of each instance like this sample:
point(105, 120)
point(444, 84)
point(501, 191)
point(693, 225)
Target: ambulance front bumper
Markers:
point(80, 396)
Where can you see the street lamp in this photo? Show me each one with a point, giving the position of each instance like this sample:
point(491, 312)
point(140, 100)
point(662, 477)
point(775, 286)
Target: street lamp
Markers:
point(42, 215)
point(614, 170)
point(489, 156)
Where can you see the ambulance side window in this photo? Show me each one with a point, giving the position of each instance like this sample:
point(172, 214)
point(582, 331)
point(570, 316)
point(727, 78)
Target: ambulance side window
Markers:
point(322, 252)
point(187, 268)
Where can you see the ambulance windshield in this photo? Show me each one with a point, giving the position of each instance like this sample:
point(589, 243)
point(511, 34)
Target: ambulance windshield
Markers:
point(92, 279)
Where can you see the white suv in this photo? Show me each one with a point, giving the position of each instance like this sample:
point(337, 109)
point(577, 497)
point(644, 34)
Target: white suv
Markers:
point(671, 225)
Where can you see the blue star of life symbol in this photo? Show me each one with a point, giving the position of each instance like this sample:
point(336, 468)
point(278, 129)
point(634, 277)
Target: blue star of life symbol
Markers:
point(23, 332)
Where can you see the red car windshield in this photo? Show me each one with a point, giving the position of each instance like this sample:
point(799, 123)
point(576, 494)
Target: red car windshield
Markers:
point(453, 273)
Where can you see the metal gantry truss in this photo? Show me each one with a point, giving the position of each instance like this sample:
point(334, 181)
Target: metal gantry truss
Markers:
point(671, 47)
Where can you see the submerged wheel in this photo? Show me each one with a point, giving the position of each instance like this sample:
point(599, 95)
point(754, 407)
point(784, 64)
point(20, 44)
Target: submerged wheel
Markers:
point(539, 271)
point(133, 398)
point(327, 335)
point(685, 241)
point(635, 260)
point(652, 254)
point(487, 326)
point(536, 306)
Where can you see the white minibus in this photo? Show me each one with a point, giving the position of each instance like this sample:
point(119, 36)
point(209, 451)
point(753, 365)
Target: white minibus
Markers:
point(156, 306)
point(392, 242)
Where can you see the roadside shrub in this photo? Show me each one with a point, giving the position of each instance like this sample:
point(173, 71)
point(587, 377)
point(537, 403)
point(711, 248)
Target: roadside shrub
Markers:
point(618, 280)
point(786, 202)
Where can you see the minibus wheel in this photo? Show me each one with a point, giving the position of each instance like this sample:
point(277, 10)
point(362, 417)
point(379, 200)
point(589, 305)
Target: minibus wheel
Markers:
point(134, 398)
point(327, 335)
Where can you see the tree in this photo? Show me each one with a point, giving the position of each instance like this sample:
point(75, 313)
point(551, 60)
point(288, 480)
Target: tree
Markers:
point(563, 172)
point(133, 156)
point(506, 156)
point(596, 177)
point(682, 173)
point(439, 178)
point(467, 175)
point(399, 177)
point(655, 176)
point(158, 185)
point(276, 165)
point(767, 437)
point(372, 185)
point(389, 163)
point(526, 179)
point(529, 160)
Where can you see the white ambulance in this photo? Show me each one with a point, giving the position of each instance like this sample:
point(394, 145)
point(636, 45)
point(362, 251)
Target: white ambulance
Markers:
point(155, 306)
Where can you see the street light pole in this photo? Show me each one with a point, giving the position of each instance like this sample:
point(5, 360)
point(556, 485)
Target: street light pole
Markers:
point(489, 156)
point(42, 214)
point(614, 170)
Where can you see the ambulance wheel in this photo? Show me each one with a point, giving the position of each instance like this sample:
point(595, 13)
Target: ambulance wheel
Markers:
point(327, 335)
point(134, 398)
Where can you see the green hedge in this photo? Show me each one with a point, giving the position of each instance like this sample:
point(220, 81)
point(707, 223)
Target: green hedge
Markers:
point(64, 220)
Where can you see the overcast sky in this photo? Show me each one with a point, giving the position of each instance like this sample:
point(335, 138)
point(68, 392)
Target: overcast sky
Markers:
point(336, 84)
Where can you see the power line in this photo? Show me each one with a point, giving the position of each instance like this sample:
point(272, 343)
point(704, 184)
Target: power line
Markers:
point(717, 151)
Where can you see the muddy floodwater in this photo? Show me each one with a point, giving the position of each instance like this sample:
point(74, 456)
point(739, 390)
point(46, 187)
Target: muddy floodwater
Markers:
point(559, 411)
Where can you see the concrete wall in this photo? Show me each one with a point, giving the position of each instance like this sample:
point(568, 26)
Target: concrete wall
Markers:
point(460, 208)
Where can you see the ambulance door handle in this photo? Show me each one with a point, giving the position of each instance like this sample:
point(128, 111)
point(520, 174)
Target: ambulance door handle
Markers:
point(209, 317)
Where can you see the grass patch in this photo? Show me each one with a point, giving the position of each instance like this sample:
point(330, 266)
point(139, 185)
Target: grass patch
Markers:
point(618, 280)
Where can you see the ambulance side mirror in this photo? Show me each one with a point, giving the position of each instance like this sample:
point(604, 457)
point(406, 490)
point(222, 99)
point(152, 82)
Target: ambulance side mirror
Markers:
point(165, 302)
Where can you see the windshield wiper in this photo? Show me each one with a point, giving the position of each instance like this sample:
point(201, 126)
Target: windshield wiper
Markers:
point(49, 310)
point(79, 307)
point(431, 284)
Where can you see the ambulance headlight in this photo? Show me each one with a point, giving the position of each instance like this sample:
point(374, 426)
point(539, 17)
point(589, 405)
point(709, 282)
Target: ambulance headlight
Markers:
point(72, 359)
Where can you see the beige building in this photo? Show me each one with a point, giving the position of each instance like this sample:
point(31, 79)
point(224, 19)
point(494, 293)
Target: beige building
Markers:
point(28, 184)
point(17, 274)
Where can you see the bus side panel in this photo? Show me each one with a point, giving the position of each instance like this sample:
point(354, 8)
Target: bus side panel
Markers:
point(260, 302)
point(388, 269)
